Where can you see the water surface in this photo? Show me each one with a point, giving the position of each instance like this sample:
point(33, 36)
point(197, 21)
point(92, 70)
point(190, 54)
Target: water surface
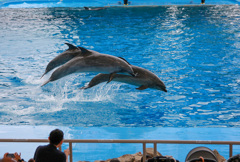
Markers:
point(193, 49)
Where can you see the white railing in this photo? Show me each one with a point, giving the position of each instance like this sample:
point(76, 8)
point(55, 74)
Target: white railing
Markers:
point(143, 142)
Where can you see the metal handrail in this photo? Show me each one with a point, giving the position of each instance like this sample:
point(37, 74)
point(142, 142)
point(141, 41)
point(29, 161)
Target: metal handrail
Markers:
point(143, 142)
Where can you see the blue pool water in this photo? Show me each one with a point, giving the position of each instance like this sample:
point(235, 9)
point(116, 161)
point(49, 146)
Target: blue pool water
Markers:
point(193, 49)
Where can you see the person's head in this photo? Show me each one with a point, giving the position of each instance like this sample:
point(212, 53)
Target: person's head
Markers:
point(114, 160)
point(56, 136)
point(147, 157)
point(31, 160)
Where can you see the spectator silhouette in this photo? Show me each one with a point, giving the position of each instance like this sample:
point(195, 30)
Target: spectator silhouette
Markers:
point(11, 157)
point(147, 157)
point(114, 160)
point(31, 160)
point(50, 153)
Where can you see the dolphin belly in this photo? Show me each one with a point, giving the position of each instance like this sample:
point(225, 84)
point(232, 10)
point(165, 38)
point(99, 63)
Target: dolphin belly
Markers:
point(100, 78)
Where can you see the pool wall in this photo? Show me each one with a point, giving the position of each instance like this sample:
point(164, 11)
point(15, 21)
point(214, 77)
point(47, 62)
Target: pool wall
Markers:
point(92, 152)
point(100, 3)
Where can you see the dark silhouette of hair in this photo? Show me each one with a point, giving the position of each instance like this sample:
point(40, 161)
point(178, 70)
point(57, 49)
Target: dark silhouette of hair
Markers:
point(115, 160)
point(56, 136)
point(147, 157)
point(31, 160)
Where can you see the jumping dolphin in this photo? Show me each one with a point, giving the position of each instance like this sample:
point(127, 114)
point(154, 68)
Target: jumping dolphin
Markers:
point(64, 57)
point(98, 8)
point(144, 79)
point(92, 62)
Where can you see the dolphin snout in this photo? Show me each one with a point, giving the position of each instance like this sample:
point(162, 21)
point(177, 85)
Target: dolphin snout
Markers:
point(163, 88)
point(45, 83)
point(43, 75)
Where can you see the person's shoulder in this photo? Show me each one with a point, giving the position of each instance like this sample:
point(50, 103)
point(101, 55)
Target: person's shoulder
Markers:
point(60, 156)
point(41, 147)
point(39, 151)
point(61, 153)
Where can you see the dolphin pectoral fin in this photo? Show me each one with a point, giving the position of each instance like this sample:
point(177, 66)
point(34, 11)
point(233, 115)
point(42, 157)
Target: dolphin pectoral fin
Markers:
point(112, 75)
point(142, 87)
point(45, 83)
point(135, 74)
point(71, 47)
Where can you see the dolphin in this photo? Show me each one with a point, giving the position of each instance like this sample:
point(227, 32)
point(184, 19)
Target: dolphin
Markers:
point(64, 57)
point(97, 8)
point(92, 61)
point(144, 79)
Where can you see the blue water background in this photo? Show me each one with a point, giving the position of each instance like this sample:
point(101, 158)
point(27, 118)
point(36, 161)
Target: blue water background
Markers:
point(193, 49)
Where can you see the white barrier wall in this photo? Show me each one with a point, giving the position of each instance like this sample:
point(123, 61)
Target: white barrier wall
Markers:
point(97, 3)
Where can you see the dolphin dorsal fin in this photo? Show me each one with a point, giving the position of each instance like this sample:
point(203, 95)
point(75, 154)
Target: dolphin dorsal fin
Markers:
point(71, 47)
point(124, 60)
point(84, 50)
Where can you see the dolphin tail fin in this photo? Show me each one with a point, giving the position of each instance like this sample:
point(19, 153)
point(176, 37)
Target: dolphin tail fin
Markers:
point(45, 83)
point(112, 75)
